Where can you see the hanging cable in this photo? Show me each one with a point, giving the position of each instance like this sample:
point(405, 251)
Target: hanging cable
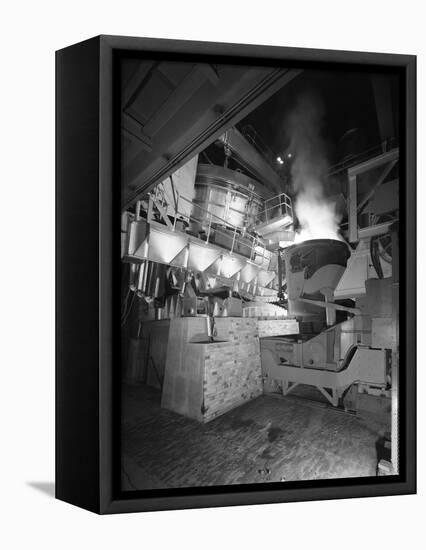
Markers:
point(126, 316)
point(125, 301)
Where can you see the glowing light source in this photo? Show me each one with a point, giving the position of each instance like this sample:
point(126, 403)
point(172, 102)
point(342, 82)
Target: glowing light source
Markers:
point(285, 244)
point(317, 216)
point(280, 160)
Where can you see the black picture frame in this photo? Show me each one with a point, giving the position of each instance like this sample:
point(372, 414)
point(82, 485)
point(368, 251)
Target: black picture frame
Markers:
point(87, 198)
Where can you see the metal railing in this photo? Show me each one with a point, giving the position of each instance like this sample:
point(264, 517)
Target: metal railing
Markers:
point(279, 206)
point(211, 221)
point(371, 152)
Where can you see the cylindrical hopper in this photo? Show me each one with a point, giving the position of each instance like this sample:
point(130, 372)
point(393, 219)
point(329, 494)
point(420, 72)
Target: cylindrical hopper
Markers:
point(226, 197)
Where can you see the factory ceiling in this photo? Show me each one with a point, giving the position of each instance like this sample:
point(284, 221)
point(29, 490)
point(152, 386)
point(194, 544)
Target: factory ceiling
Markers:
point(357, 111)
point(336, 119)
point(172, 111)
point(352, 114)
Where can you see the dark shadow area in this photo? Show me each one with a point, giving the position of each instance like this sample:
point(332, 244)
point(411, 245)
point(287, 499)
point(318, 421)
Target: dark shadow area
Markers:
point(46, 487)
point(383, 448)
point(268, 439)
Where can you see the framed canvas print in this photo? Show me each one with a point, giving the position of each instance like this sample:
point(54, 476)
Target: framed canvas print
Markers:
point(235, 274)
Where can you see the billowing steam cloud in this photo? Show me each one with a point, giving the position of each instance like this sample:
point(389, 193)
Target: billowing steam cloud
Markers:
point(315, 212)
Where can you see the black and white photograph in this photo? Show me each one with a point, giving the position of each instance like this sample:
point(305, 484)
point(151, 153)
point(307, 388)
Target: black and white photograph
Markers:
point(212, 275)
point(259, 272)
point(212, 283)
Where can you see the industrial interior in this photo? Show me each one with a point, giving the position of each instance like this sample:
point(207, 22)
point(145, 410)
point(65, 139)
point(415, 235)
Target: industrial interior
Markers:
point(259, 280)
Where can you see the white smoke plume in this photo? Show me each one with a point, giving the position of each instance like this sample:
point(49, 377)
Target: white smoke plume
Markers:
point(316, 214)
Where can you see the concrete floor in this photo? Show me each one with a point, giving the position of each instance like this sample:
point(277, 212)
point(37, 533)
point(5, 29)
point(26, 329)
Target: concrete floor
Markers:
point(268, 439)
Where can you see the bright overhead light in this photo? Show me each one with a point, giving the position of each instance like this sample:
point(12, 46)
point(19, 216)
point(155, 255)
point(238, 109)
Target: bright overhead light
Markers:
point(289, 155)
point(279, 159)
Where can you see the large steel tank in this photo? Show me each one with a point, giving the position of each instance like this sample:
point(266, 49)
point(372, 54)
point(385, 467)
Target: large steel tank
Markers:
point(313, 269)
point(226, 197)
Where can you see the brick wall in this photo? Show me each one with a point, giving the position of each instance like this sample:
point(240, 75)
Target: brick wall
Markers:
point(277, 327)
point(204, 380)
point(232, 373)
